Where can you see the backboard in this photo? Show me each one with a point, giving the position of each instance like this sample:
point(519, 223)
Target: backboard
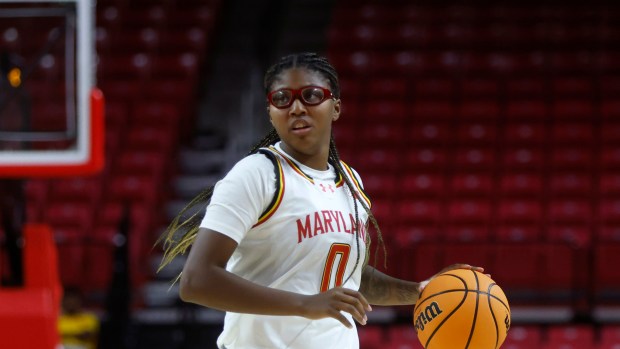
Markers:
point(51, 113)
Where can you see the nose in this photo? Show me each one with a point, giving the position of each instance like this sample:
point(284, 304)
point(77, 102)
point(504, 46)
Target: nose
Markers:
point(297, 108)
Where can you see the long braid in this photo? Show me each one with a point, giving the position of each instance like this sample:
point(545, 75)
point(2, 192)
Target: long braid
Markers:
point(335, 160)
point(181, 232)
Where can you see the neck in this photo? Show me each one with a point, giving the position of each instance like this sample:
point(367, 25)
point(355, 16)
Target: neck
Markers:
point(317, 161)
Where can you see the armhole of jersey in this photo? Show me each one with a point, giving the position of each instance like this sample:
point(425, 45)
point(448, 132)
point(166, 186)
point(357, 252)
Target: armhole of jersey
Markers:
point(278, 193)
point(360, 190)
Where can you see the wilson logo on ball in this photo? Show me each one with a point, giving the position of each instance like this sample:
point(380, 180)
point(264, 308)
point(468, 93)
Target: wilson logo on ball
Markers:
point(430, 312)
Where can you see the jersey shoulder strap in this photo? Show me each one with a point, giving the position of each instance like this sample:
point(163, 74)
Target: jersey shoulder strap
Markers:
point(279, 192)
point(356, 182)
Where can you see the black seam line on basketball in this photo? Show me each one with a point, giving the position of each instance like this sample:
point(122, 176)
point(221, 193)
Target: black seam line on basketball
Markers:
point(499, 300)
point(451, 313)
point(461, 290)
point(493, 316)
point(473, 323)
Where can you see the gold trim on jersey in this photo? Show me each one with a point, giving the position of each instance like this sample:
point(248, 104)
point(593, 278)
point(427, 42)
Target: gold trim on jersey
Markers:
point(280, 184)
point(293, 165)
point(360, 190)
point(339, 180)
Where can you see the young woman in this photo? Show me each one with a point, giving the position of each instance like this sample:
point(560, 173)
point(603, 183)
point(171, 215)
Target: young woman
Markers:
point(282, 246)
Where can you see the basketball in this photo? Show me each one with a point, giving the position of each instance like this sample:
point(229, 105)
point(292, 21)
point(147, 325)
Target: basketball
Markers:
point(462, 309)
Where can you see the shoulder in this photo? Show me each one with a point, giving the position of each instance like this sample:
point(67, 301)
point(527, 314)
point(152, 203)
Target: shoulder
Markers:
point(253, 165)
point(351, 172)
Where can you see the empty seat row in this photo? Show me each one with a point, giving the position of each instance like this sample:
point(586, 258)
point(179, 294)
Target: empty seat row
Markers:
point(414, 63)
point(519, 337)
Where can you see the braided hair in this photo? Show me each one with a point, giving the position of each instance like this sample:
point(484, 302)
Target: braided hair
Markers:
point(183, 229)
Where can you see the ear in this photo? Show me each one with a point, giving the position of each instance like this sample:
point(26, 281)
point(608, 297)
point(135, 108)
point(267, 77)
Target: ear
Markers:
point(337, 108)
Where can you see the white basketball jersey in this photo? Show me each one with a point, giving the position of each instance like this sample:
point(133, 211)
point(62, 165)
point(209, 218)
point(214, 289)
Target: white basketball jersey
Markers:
point(304, 242)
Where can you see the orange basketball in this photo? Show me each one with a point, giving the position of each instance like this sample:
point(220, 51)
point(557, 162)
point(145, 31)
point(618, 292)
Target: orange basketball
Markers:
point(462, 309)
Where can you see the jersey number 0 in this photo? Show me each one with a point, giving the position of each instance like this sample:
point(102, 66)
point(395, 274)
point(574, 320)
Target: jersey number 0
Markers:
point(336, 250)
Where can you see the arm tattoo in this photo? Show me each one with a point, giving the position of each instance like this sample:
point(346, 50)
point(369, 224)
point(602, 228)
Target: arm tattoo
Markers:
point(379, 288)
point(372, 288)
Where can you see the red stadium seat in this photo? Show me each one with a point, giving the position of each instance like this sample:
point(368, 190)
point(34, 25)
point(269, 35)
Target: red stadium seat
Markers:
point(528, 109)
point(479, 110)
point(473, 254)
point(371, 337)
point(609, 210)
point(520, 211)
point(403, 334)
point(192, 39)
point(133, 188)
point(609, 85)
point(571, 132)
point(469, 210)
point(521, 184)
point(610, 109)
point(526, 337)
point(523, 158)
point(143, 39)
point(351, 89)
point(609, 232)
point(383, 135)
point(378, 159)
point(570, 211)
point(69, 214)
point(477, 133)
point(515, 268)
point(479, 87)
point(380, 185)
point(423, 184)
point(151, 139)
point(607, 273)
point(571, 109)
point(430, 133)
point(610, 157)
point(177, 65)
point(403, 344)
point(140, 162)
point(425, 159)
point(526, 87)
point(572, 184)
point(609, 132)
point(70, 244)
point(386, 111)
point(414, 233)
point(572, 87)
point(418, 210)
point(525, 133)
point(559, 267)
point(571, 157)
point(576, 234)
point(126, 66)
point(577, 336)
point(434, 88)
point(467, 232)
point(36, 190)
point(610, 334)
point(87, 190)
point(517, 232)
point(156, 114)
point(472, 184)
point(474, 158)
point(571, 62)
point(433, 110)
point(388, 88)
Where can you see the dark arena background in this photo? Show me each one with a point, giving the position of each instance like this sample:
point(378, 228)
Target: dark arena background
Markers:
point(485, 132)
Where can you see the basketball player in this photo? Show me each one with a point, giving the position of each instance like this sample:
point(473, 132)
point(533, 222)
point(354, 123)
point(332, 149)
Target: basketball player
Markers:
point(282, 247)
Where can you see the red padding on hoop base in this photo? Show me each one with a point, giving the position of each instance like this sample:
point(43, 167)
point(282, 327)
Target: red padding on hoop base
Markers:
point(29, 315)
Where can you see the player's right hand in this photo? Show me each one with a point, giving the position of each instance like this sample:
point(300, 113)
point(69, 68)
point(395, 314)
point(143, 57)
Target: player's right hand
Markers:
point(332, 302)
